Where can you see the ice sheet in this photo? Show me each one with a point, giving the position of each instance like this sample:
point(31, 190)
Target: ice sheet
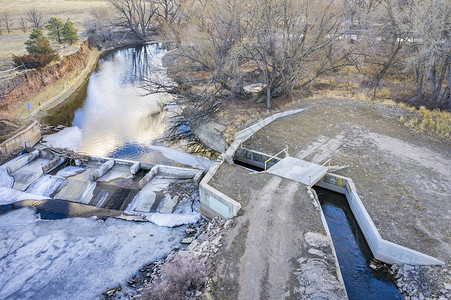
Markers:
point(184, 158)
point(8, 196)
point(70, 171)
point(173, 220)
point(75, 258)
point(5, 180)
point(46, 185)
point(69, 137)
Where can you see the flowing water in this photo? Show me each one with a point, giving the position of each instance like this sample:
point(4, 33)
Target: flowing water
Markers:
point(353, 252)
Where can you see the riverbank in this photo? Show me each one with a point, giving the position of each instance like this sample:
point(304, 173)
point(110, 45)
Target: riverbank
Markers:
point(50, 86)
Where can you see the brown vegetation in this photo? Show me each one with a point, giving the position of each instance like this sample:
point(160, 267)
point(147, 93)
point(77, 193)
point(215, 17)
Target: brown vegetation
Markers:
point(34, 81)
point(180, 276)
point(367, 49)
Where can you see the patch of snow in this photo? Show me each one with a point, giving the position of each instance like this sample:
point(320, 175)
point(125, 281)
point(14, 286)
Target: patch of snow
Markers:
point(5, 180)
point(69, 137)
point(46, 185)
point(173, 220)
point(184, 158)
point(70, 171)
point(75, 258)
point(8, 196)
point(186, 206)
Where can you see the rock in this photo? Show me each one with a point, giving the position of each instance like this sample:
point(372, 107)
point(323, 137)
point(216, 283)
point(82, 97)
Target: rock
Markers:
point(228, 224)
point(408, 268)
point(447, 286)
point(193, 245)
point(395, 267)
point(198, 294)
point(109, 292)
point(202, 237)
point(187, 240)
point(190, 231)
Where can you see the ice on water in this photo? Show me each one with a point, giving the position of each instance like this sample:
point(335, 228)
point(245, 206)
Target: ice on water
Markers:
point(70, 171)
point(5, 180)
point(8, 196)
point(69, 137)
point(75, 258)
point(184, 158)
point(46, 185)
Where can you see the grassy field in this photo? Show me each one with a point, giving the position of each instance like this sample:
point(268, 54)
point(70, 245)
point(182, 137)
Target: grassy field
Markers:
point(76, 10)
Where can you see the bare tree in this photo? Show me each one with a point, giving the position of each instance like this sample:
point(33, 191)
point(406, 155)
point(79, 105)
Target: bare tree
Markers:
point(136, 16)
point(292, 42)
point(168, 10)
point(100, 25)
point(430, 50)
point(7, 21)
point(36, 18)
point(379, 39)
point(23, 24)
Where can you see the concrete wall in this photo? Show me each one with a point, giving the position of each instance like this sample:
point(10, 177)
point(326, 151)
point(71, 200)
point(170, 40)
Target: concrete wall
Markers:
point(28, 137)
point(248, 132)
point(383, 250)
point(213, 203)
point(255, 158)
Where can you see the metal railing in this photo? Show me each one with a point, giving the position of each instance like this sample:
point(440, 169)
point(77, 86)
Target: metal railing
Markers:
point(310, 184)
point(275, 156)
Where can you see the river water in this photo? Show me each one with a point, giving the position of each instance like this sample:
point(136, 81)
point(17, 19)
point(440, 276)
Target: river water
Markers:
point(115, 117)
point(353, 252)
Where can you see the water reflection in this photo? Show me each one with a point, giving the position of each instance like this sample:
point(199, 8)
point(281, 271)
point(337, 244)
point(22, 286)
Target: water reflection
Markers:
point(114, 114)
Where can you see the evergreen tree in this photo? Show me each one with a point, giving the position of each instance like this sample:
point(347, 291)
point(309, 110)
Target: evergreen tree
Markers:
point(69, 32)
point(55, 27)
point(38, 43)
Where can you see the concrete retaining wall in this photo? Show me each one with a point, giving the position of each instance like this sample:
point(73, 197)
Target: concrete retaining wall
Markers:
point(28, 137)
point(383, 250)
point(213, 203)
point(248, 132)
point(254, 158)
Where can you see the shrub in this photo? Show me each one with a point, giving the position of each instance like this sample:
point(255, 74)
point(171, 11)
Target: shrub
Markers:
point(180, 275)
point(39, 49)
point(33, 60)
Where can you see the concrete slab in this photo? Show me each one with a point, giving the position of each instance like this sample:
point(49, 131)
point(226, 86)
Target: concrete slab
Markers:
point(169, 204)
point(23, 179)
point(73, 190)
point(145, 200)
point(298, 170)
point(118, 171)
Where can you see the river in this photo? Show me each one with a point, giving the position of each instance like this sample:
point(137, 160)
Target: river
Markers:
point(114, 115)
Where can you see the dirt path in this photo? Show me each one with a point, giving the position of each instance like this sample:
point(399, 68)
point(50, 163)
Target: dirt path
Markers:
point(278, 248)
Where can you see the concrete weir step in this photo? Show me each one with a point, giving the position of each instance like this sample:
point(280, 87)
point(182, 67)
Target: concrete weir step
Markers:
point(169, 204)
point(298, 170)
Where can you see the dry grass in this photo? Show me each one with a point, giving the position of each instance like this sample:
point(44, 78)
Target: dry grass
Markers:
point(434, 122)
point(180, 276)
point(76, 10)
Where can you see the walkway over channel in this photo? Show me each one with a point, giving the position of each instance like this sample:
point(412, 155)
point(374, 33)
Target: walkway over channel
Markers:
point(299, 170)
